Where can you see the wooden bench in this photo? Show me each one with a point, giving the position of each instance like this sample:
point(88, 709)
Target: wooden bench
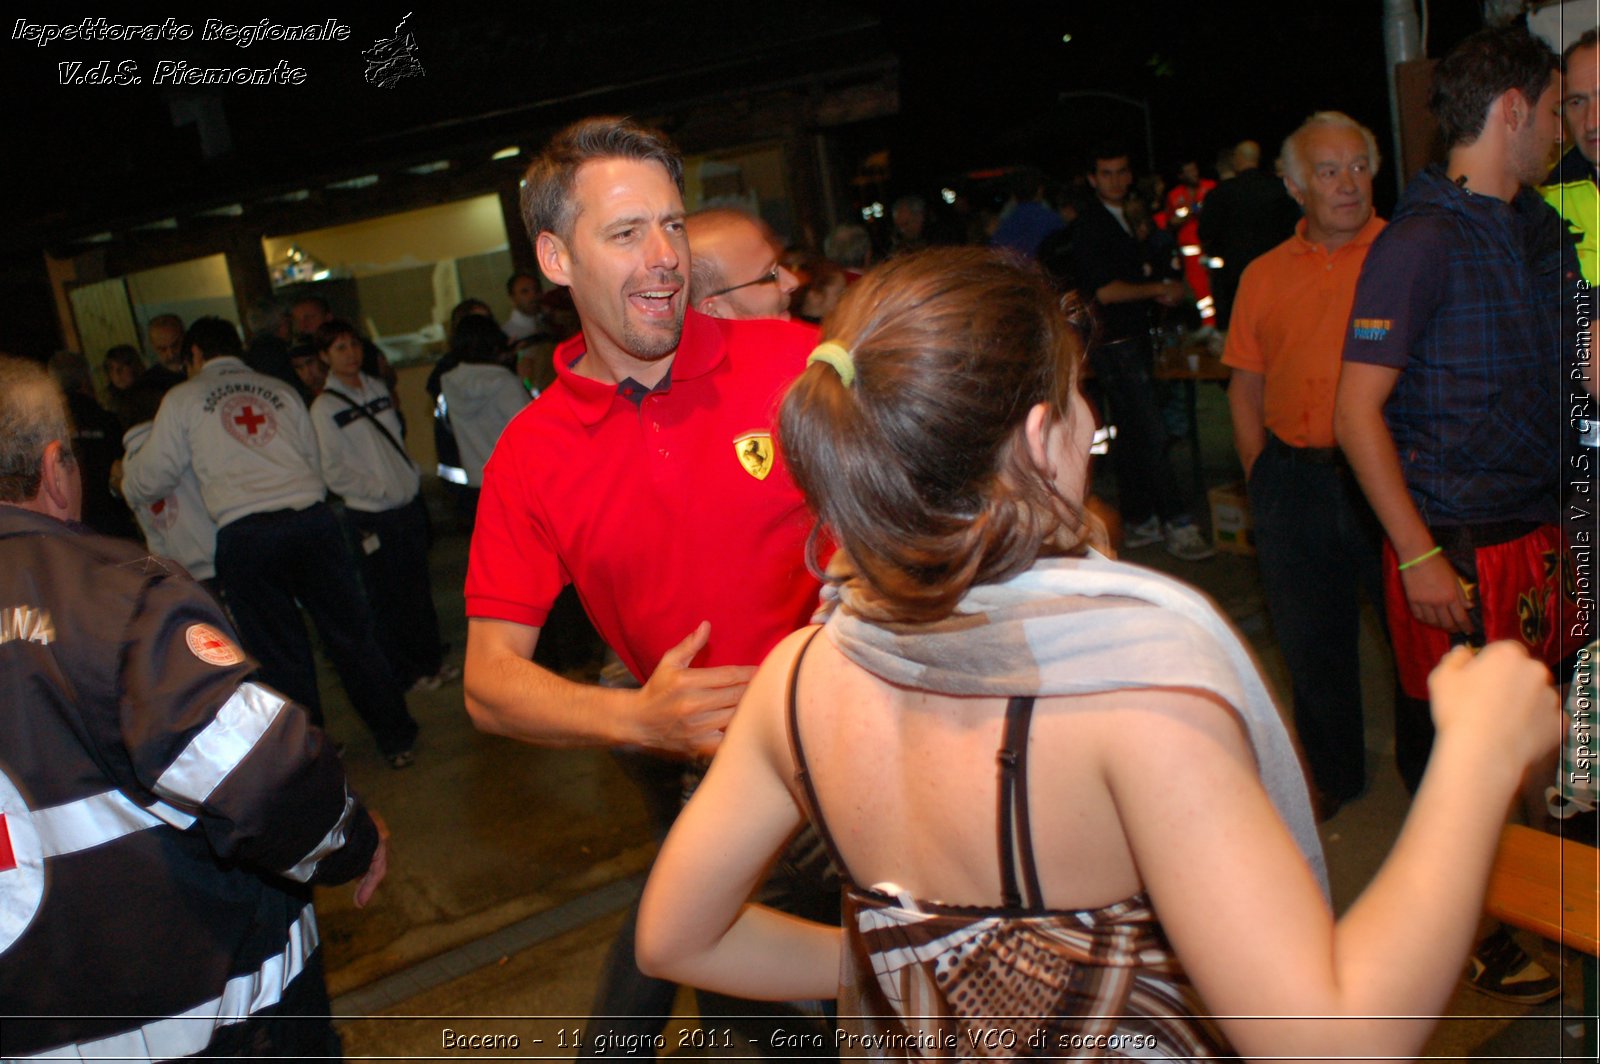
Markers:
point(1546, 885)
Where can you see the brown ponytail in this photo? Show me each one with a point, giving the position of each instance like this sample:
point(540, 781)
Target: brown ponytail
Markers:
point(919, 469)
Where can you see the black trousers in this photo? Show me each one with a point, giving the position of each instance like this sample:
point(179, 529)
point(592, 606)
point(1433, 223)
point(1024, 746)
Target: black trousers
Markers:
point(1319, 547)
point(267, 562)
point(399, 588)
point(1146, 485)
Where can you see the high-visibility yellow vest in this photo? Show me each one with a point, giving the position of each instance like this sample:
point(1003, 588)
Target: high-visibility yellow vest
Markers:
point(1571, 190)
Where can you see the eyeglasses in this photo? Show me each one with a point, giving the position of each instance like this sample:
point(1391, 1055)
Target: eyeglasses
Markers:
point(770, 277)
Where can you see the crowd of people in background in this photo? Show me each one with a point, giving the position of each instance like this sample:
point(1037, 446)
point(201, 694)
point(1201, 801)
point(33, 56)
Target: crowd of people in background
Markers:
point(1165, 236)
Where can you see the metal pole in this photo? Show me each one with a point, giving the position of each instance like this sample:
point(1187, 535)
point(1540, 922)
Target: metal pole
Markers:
point(1401, 43)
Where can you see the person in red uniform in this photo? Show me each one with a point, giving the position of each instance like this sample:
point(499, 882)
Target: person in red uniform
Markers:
point(1183, 206)
point(646, 477)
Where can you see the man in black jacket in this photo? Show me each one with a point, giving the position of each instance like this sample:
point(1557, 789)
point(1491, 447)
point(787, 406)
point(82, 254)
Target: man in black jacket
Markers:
point(161, 816)
point(1116, 270)
point(1245, 217)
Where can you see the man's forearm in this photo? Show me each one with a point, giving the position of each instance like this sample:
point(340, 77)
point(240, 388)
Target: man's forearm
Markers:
point(1370, 450)
point(1129, 291)
point(1433, 589)
point(522, 700)
point(1246, 396)
point(681, 710)
point(145, 477)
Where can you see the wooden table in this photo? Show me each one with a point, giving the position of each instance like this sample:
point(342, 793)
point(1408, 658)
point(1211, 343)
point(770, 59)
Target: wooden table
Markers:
point(1546, 885)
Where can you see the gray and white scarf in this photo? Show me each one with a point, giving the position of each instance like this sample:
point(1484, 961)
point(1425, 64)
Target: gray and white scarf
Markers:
point(1073, 626)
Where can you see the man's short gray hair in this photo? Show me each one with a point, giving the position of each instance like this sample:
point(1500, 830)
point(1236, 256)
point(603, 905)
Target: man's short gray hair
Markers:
point(33, 414)
point(706, 274)
point(705, 277)
point(1294, 164)
point(849, 245)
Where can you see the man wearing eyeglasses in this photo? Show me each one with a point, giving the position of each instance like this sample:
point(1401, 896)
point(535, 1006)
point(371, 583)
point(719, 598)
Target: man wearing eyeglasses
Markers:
point(734, 271)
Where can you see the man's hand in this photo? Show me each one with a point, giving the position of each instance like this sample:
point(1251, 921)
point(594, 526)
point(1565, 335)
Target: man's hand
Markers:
point(379, 866)
point(686, 710)
point(1434, 591)
point(1172, 293)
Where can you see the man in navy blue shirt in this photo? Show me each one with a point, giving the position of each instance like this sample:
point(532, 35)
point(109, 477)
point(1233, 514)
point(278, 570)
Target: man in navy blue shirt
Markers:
point(1449, 404)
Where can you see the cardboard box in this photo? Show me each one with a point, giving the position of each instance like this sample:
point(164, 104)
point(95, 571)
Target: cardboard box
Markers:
point(1231, 530)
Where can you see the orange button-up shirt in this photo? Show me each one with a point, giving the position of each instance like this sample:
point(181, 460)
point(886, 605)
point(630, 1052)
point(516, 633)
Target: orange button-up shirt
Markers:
point(1289, 321)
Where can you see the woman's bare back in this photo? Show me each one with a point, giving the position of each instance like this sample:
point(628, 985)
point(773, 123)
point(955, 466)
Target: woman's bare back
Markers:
point(909, 786)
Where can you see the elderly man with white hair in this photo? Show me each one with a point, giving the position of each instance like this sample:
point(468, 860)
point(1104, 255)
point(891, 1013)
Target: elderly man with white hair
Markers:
point(1316, 538)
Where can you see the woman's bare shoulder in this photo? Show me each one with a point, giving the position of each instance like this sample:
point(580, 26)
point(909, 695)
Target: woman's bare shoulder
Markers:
point(1132, 720)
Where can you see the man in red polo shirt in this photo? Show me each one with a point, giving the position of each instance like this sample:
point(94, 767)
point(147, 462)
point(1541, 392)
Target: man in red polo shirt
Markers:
point(646, 477)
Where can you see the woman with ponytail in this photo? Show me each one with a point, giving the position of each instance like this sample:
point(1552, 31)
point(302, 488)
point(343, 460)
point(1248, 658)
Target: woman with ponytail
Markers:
point(1145, 857)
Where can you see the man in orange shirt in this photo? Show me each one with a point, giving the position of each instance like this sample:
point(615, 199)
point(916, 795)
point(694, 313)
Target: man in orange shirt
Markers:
point(1317, 539)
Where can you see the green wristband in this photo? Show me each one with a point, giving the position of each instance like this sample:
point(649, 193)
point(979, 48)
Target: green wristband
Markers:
point(1419, 559)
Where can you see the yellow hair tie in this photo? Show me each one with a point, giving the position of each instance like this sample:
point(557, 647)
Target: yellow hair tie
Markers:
point(838, 356)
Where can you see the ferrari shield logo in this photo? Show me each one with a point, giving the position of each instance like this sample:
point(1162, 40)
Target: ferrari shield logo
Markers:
point(755, 453)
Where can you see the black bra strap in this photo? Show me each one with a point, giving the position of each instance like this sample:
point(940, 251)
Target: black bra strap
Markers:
point(1014, 833)
point(1013, 761)
point(801, 773)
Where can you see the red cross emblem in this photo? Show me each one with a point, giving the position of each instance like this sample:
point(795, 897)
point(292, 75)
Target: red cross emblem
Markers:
point(249, 420)
point(164, 513)
point(8, 858)
point(211, 646)
point(21, 865)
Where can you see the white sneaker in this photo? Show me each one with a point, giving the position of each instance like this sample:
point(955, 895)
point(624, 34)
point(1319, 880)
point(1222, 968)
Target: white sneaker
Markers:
point(1142, 535)
point(1186, 542)
point(447, 673)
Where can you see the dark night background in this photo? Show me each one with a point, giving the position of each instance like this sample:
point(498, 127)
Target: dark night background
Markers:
point(979, 86)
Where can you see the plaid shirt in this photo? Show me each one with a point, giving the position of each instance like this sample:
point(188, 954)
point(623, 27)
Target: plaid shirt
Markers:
point(1469, 297)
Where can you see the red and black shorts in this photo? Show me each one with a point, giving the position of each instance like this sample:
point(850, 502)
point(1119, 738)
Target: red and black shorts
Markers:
point(1521, 586)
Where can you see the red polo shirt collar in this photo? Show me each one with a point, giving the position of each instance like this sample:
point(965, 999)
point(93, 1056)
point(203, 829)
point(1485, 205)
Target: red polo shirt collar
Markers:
point(700, 350)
